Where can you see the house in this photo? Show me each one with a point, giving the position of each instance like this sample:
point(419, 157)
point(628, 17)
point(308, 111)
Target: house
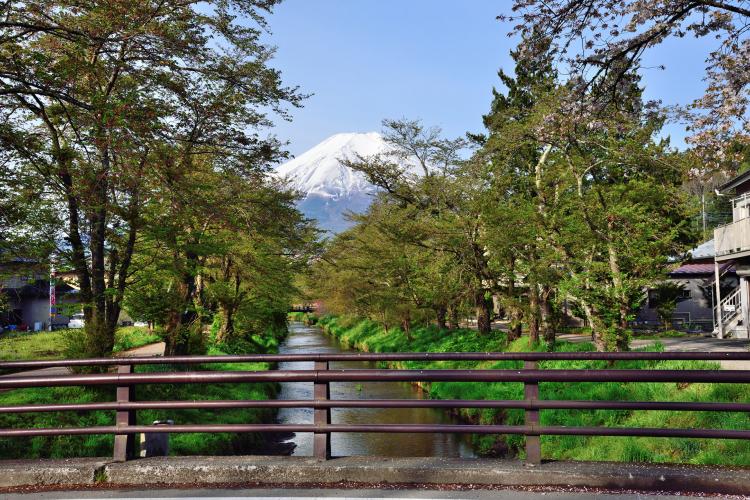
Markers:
point(732, 245)
point(26, 288)
point(695, 307)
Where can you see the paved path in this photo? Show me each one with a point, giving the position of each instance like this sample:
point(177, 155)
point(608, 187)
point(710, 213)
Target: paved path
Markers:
point(156, 349)
point(686, 344)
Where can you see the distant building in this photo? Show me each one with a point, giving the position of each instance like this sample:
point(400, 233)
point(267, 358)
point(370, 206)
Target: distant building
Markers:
point(27, 291)
point(732, 246)
point(695, 309)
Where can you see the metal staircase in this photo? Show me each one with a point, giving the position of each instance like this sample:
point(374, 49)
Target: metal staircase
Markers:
point(730, 310)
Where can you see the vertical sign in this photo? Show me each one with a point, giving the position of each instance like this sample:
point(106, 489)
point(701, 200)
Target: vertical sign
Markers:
point(52, 298)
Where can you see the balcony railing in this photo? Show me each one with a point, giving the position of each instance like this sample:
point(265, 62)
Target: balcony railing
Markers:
point(741, 206)
point(732, 238)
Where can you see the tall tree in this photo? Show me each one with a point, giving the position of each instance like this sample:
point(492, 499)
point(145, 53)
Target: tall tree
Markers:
point(104, 99)
point(419, 173)
point(521, 178)
point(604, 40)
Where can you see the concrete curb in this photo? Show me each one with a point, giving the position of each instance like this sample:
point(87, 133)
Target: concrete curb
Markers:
point(305, 471)
point(51, 472)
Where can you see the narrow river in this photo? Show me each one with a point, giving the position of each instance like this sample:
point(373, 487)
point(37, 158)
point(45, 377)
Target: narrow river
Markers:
point(311, 339)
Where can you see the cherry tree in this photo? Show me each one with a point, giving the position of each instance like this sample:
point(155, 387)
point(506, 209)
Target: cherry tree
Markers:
point(606, 39)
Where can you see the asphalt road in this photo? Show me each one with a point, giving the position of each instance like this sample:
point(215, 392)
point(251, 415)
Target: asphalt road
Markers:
point(686, 344)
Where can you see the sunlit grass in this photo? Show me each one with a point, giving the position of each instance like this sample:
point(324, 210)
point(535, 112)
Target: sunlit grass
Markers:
point(369, 336)
point(101, 446)
point(51, 345)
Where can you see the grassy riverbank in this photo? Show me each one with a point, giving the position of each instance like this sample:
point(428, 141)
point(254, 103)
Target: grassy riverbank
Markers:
point(52, 345)
point(180, 444)
point(368, 336)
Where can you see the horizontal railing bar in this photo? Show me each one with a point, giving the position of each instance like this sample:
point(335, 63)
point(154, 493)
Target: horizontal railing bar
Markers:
point(413, 356)
point(683, 376)
point(382, 403)
point(389, 428)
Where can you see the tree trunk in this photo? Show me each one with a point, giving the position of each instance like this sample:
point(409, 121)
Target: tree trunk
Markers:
point(441, 312)
point(100, 336)
point(533, 313)
point(547, 319)
point(514, 313)
point(597, 330)
point(226, 332)
point(621, 341)
point(182, 320)
point(514, 332)
point(483, 309)
point(453, 317)
point(406, 325)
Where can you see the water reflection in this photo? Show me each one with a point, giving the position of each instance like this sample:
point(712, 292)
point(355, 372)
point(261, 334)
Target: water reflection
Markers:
point(310, 339)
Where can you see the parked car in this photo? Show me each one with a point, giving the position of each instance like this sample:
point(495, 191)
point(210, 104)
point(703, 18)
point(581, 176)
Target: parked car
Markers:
point(76, 321)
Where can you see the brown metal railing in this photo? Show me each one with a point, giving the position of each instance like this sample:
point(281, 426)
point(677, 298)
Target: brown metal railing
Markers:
point(322, 376)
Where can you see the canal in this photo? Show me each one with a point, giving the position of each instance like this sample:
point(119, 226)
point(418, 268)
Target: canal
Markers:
point(304, 339)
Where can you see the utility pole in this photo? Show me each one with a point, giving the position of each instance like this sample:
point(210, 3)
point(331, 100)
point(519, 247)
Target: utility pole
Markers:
point(52, 297)
point(703, 212)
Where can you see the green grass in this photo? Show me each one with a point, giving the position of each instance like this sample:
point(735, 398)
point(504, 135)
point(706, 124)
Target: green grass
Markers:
point(130, 337)
point(368, 336)
point(662, 335)
point(307, 318)
point(51, 345)
point(101, 446)
point(27, 345)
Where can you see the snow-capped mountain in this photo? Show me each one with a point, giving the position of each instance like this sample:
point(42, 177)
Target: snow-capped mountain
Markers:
point(331, 189)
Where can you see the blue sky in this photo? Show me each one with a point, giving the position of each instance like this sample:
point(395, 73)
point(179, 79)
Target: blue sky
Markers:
point(437, 60)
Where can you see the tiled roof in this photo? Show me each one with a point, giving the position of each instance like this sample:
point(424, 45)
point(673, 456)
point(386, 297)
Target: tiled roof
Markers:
point(700, 269)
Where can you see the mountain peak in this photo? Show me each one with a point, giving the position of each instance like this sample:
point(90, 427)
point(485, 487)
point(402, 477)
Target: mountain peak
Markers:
point(319, 171)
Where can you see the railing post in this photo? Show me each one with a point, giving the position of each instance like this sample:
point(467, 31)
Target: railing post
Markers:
point(322, 440)
point(531, 393)
point(124, 443)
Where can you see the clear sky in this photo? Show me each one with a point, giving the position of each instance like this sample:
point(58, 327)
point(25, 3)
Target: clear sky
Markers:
point(436, 60)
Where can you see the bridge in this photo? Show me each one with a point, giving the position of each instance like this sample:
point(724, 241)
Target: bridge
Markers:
point(120, 373)
point(305, 308)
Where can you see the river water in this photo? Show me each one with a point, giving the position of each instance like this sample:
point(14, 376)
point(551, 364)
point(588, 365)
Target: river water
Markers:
point(311, 339)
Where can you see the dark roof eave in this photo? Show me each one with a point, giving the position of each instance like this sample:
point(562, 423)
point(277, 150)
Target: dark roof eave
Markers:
point(733, 183)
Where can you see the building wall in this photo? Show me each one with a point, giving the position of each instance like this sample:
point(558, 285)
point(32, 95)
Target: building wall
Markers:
point(37, 310)
point(694, 311)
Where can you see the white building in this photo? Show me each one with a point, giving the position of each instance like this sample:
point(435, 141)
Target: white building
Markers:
point(732, 244)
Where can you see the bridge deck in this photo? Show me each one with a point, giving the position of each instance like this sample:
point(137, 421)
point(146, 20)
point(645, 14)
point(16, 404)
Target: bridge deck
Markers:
point(301, 471)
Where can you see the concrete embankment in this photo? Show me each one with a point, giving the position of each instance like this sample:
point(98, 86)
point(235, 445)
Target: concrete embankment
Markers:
point(301, 471)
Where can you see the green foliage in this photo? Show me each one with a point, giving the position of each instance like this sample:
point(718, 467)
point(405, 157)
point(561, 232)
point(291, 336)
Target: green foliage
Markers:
point(554, 208)
point(151, 298)
point(138, 140)
point(303, 317)
point(666, 295)
point(368, 336)
point(4, 303)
